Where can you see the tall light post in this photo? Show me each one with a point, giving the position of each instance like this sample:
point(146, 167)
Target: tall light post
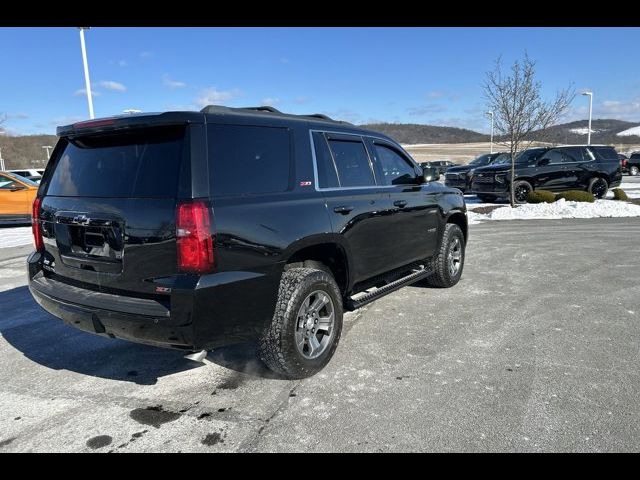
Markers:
point(87, 82)
point(590, 95)
point(491, 115)
point(1, 161)
point(47, 147)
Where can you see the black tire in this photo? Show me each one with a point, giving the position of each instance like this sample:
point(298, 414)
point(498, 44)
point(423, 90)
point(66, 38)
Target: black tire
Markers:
point(599, 187)
point(634, 170)
point(486, 198)
point(521, 189)
point(442, 276)
point(277, 346)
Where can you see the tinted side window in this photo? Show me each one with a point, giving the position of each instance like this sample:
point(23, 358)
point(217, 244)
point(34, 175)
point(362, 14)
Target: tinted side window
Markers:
point(352, 162)
point(327, 174)
point(395, 169)
point(608, 153)
point(555, 156)
point(248, 160)
point(7, 183)
point(574, 154)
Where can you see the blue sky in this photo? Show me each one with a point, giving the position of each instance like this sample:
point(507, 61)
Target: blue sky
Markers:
point(416, 75)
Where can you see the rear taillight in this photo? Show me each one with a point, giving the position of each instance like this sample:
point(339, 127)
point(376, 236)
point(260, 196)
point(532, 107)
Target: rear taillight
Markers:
point(193, 237)
point(36, 227)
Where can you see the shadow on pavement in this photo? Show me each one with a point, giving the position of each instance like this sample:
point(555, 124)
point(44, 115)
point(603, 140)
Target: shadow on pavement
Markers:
point(46, 340)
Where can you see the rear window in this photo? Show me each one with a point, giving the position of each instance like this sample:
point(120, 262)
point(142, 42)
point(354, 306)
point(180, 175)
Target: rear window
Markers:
point(140, 163)
point(249, 160)
point(635, 156)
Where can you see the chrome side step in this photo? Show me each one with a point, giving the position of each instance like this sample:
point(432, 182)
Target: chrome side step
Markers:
point(362, 298)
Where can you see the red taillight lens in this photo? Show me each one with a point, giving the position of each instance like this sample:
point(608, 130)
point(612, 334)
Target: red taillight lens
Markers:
point(36, 227)
point(193, 237)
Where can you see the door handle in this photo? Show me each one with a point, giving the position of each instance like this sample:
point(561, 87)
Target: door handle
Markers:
point(400, 203)
point(343, 209)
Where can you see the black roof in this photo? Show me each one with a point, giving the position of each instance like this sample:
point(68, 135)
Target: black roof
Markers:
point(267, 110)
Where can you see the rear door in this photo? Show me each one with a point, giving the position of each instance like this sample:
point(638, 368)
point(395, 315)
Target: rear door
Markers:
point(354, 200)
point(108, 209)
point(554, 175)
point(413, 224)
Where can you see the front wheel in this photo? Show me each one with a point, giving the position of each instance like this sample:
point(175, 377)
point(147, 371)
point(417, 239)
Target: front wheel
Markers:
point(599, 187)
point(305, 329)
point(521, 190)
point(448, 263)
point(634, 170)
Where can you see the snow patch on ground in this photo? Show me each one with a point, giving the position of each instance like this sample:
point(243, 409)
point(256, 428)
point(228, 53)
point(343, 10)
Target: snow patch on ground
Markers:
point(559, 209)
point(15, 237)
point(630, 131)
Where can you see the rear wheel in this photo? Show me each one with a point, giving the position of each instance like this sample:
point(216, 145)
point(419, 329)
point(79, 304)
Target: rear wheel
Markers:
point(599, 187)
point(305, 329)
point(448, 263)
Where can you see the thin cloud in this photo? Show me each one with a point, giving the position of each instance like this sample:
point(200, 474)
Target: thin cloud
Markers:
point(122, 63)
point(434, 94)
point(169, 82)
point(300, 100)
point(146, 54)
point(426, 109)
point(83, 92)
point(284, 60)
point(111, 85)
point(17, 116)
point(271, 101)
point(213, 96)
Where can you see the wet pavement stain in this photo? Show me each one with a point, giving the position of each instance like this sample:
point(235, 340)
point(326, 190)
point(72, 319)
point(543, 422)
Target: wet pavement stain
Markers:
point(204, 415)
point(212, 439)
point(6, 442)
point(99, 441)
point(17, 418)
point(232, 382)
point(153, 416)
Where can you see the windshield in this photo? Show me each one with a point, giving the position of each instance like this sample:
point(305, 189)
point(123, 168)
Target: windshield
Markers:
point(481, 160)
point(530, 155)
point(24, 180)
point(502, 159)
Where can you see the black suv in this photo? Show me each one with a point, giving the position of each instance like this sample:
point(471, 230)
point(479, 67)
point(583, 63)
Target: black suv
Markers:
point(441, 166)
point(594, 168)
point(460, 176)
point(194, 230)
point(633, 164)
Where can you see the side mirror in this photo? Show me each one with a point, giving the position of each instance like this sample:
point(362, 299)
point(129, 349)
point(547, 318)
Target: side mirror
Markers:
point(544, 161)
point(430, 174)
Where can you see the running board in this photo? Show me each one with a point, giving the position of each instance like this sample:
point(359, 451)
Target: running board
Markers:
point(360, 299)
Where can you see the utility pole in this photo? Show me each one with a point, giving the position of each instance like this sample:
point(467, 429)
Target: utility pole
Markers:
point(87, 82)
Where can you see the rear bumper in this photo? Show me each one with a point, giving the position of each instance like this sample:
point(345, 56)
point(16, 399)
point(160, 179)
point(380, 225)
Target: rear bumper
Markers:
point(201, 312)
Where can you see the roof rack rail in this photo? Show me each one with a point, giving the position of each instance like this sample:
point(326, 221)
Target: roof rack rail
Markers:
point(268, 109)
point(320, 115)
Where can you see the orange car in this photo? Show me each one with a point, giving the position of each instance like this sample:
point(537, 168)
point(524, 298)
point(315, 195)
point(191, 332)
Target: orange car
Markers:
point(16, 197)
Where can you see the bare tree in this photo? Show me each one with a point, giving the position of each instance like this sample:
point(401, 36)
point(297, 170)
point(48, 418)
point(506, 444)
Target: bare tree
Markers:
point(519, 109)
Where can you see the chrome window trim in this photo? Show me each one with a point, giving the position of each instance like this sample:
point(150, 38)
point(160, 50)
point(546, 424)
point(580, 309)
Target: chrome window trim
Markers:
point(315, 161)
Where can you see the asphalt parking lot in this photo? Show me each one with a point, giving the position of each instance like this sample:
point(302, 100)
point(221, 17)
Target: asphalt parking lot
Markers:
point(536, 349)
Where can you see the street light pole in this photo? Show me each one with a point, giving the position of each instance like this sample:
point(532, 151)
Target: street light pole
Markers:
point(47, 147)
point(590, 95)
point(87, 82)
point(1, 161)
point(491, 114)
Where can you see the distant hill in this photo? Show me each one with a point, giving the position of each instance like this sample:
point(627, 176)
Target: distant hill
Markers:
point(411, 133)
point(25, 151)
point(604, 131)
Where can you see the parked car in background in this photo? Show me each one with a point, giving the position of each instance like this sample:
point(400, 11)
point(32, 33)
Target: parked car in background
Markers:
point(633, 164)
point(440, 165)
point(34, 174)
point(593, 168)
point(248, 224)
point(16, 198)
point(459, 176)
point(623, 162)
